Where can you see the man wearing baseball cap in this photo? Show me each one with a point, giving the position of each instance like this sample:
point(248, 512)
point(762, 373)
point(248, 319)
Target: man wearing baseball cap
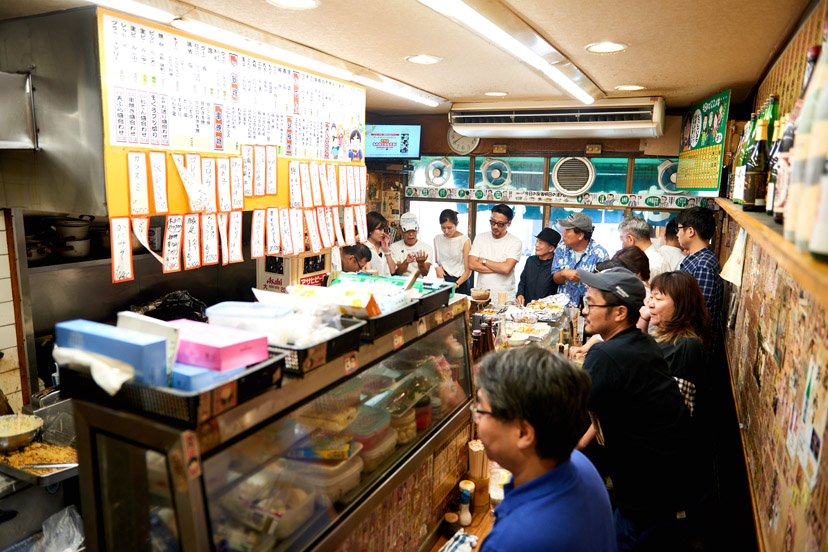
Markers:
point(577, 250)
point(640, 417)
point(410, 253)
point(536, 279)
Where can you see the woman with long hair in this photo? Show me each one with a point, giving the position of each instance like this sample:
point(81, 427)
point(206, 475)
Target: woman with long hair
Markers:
point(451, 251)
point(378, 242)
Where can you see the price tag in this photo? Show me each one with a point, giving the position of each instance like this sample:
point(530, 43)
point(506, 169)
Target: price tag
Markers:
point(438, 317)
point(351, 363)
point(398, 338)
point(421, 326)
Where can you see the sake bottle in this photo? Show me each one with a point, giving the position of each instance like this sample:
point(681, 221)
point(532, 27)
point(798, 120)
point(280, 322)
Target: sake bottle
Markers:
point(756, 170)
point(772, 170)
point(739, 172)
point(818, 242)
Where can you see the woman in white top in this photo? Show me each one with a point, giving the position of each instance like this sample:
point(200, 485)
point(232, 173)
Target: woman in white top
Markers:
point(451, 251)
point(378, 242)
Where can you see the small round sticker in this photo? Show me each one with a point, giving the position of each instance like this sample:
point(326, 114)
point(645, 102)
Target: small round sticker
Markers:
point(442, 192)
point(409, 192)
point(681, 202)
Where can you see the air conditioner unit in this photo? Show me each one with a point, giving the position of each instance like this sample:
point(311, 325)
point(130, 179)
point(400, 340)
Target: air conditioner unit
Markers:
point(610, 118)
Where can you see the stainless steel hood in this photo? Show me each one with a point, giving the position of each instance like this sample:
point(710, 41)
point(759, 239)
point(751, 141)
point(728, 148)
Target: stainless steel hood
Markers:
point(17, 121)
point(66, 171)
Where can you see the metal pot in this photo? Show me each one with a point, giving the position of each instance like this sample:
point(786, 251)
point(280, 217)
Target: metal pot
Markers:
point(77, 228)
point(11, 440)
point(76, 248)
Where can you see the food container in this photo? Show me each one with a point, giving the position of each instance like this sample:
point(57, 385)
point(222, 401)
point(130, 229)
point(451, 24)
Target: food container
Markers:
point(518, 340)
point(405, 425)
point(423, 413)
point(77, 228)
point(374, 384)
point(333, 478)
point(18, 430)
point(371, 459)
point(480, 294)
point(255, 317)
point(345, 395)
point(370, 427)
point(76, 248)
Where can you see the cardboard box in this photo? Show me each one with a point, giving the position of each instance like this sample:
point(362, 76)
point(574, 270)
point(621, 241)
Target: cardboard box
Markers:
point(218, 347)
point(193, 378)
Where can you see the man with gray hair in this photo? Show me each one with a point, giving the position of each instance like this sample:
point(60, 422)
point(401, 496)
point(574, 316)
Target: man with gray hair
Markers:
point(530, 410)
point(636, 231)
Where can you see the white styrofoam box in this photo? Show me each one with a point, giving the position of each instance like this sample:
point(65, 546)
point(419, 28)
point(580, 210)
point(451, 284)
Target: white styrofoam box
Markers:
point(4, 247)
point(6, 313)
point(10, 382)
point(8, 337)
point(5, 267)
point(5, 290)
point(9, 361)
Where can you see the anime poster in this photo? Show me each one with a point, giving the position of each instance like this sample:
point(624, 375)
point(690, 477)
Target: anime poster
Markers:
point(702, 144)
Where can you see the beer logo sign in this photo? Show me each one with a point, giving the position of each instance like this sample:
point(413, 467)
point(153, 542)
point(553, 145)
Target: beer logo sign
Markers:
point(681, 202)
point(409, 192)
point(653, 201)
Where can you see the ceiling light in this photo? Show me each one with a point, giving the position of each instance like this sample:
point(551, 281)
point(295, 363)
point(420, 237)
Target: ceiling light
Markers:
point(136, 8)
point(496, 93)
point(465, 15)
point(629, 87)
point(294, 4)
point(398, 89)
point(606, 47)
point(424, 59)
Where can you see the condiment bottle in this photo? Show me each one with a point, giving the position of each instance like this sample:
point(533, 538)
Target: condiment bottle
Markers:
point(465, 514)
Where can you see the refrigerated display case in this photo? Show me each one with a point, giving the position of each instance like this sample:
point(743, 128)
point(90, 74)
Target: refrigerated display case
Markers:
point(294, 468)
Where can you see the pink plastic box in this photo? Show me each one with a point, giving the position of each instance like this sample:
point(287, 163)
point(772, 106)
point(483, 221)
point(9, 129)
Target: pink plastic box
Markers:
point(218, 347)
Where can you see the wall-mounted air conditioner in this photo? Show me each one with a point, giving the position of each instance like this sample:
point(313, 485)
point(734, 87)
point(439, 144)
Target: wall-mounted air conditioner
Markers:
point(610, 118)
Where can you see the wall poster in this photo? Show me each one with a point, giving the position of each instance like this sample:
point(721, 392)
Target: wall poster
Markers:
point(702, 144)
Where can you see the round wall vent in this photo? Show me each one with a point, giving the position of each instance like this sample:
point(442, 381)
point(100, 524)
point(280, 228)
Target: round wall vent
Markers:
point(573, 176)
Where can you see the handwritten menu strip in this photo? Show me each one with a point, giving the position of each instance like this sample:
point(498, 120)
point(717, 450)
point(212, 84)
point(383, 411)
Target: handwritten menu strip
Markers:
point(137, 170)
point(307, 194)
point(140, 227)
point(315, 186)
point(363, 183)
point(343, 185)
point(295, 184)
point(158, 172)
point(297, 232)
point(121, 244)
point(327, 197)
point(247, 159)
point(270, 181)
point(222, 228)
point(235, 237)
point(209, 240)
point(329, 222)
point(192, 241)
point(196, 194)
point(257, 234)
point(284, 231)
point(362, 225)
point(313, 231)
point(194, 164)
point(225, 197)
point(208, 181)
point(352, 197)
point(236, 183)
point(340, 240)
point(172, 243)
point(273, 235)
point(259, 170)
point(348, 225)
point(323, 228)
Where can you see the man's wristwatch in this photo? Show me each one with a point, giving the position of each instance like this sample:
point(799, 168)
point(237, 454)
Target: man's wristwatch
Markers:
point(483, 262)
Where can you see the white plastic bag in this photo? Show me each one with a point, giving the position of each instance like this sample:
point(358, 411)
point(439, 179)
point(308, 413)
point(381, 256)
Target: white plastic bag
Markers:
point(62, 532)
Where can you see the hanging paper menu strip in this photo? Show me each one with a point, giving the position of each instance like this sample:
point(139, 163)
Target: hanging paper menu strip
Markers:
point(331, 199)
point(208, 181)
point(209, 240)
point(192, 241)
point(363, 183)
point(297, 232)
point(295, 184)
point(121, 244)
point(158, 173)
point(140, 227)
point(259, 170)
point(236, 183)
point(235, 238)
point(172, 243)
point(352, 197)
point(222, 228)
point(270, 184)
point(194, 164)
point(362, 225)
point(343, 185)
point(137, 170)
point(225, 200)
point(348, 225)
point(257, 234)
point(324, 184)
point(196, 194)
point(273, 235)
point(340, 240)
point(313, 231)
point(247, 161)
point(284, 230)
point(329, 222)
point(322, 221)
point(307, 194)
point(315, 185)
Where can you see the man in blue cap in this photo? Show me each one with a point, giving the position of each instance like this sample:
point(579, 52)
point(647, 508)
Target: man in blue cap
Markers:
point(577, 250)
point(536, 279)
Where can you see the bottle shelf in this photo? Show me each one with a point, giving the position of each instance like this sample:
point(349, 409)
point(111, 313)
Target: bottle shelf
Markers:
point(810, 273)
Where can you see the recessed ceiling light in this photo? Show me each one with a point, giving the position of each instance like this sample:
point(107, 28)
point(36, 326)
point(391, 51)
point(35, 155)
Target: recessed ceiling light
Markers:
point(606, 47)
point(496, 93)
point(294, 4)
point(628, 87)
point(424, 59)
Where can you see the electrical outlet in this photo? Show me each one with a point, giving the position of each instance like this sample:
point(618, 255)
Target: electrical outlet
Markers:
point(499, 149)
point(593, 149)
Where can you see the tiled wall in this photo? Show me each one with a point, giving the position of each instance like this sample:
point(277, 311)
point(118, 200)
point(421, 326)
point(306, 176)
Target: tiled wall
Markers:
point(9, 364)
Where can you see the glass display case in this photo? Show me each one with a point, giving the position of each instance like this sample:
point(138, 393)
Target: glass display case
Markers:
point(289, 470)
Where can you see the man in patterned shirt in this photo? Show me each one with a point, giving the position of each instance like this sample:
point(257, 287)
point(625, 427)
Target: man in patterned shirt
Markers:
point(577, 250)
point(696, 227)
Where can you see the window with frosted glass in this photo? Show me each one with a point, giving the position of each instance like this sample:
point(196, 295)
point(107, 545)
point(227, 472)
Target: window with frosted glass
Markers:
point(526, 173)
point(459, 172)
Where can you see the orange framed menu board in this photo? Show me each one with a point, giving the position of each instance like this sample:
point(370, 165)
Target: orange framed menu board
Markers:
point(193, 127)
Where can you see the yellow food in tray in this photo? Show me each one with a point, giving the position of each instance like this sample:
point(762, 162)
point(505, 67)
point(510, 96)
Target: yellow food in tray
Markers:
point(534, 330)
point(327, 420)
point(40, 453)
point(540, 305)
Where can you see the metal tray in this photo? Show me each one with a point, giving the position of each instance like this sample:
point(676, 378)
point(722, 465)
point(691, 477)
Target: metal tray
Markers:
point(430, 302)
point(302, 360)
point(383, 324)
point(39, 480)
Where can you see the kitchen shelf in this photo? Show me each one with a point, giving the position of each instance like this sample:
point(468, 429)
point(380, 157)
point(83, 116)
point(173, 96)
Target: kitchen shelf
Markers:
point(807, 271)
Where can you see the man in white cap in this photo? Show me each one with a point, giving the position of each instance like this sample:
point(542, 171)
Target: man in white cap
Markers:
point(576, 250)
point(411, 254)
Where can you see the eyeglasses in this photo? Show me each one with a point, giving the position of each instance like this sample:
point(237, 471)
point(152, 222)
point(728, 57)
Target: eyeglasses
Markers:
point(476, 412)
point(587, 306)
point(681, 227)
point(493, 222)
point(362, 264)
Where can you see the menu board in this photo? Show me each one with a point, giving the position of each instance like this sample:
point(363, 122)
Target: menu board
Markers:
point(702, 144)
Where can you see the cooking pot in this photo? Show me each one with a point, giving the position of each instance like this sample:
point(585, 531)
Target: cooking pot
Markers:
point(77, 228)
point(106, 241)
point(18, 430)
point(76, 248)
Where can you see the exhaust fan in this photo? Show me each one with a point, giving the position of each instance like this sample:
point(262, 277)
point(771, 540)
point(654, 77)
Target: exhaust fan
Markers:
point(667, 173)
point(438, 171)
point(496, 173)
point(573, 176)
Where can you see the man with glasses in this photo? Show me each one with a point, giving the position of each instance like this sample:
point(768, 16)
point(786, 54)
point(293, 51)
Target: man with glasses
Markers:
point(495, 254)
point(351, 258)
point(576, 251)
point(530, 411)
point(640, 417)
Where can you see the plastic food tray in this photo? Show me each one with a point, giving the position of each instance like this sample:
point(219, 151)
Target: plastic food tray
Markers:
point(371, 459)
point(430, 302)
point(370, 427)
point(180, 408)
point(334, 478)
point(302, 360)
point(383, 324)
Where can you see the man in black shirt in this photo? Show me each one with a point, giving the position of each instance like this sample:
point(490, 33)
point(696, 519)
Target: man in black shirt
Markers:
point(536, 279)
point(640, 417)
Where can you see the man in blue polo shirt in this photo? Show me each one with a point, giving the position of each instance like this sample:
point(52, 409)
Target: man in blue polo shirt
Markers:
point(530, 411)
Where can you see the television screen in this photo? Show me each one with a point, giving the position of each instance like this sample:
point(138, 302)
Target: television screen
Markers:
point(392, 141)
